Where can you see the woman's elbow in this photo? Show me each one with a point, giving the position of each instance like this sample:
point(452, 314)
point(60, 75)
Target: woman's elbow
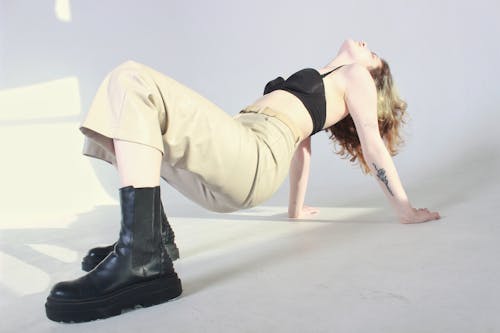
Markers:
point(373, 147)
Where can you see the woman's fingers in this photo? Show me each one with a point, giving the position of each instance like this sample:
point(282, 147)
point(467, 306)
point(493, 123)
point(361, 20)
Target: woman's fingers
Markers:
point(432, 215)
point(311, 210)
point(421, 215)
point(426, 215)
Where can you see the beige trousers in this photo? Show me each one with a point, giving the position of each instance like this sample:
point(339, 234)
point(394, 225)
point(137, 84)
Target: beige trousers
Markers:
point(222, 163)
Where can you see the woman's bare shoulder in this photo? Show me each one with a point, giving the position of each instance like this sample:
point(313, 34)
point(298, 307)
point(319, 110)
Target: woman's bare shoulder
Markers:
point(357, 78)
point(351, 75)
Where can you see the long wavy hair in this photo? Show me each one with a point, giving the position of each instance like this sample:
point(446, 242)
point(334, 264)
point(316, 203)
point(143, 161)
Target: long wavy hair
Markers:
point(391, 111)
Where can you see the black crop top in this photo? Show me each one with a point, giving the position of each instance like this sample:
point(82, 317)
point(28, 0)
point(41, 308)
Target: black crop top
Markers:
point(307, 85)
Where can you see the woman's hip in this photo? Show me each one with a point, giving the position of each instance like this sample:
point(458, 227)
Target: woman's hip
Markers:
point(227, 172)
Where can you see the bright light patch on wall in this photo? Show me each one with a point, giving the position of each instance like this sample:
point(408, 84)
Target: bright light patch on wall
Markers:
point(21, 278)
point(41, 100)
point(63, 10)
point(60, 253)
point(45, 179)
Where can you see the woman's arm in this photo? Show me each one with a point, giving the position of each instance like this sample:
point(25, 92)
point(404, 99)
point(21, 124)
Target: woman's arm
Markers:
point(299, 174)
point(361, 100)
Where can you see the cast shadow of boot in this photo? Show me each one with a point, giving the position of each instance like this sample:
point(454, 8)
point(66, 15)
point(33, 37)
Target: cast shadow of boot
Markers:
point(56, 252)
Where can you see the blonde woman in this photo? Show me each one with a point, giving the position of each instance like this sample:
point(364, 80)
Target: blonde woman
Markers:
point(150, 127)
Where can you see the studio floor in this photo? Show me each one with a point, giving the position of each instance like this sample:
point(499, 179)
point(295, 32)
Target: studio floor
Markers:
point(348, 270)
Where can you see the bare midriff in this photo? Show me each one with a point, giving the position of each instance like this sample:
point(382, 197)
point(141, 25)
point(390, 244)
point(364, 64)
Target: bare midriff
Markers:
point(289, 105)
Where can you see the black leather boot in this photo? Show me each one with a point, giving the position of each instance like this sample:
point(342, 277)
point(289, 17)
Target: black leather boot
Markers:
point(138, 272)
point(97, 254)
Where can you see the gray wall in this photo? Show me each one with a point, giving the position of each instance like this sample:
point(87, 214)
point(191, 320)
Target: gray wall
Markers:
point(443, 54)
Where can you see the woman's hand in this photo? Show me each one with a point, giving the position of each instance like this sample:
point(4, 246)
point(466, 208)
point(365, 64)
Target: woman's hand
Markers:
point(418, 216)
point(306, 212)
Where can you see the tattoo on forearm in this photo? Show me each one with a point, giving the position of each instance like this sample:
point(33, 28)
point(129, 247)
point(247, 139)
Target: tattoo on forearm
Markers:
point(383, 178)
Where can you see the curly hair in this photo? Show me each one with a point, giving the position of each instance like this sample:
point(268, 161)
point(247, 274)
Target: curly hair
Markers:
point(391, 111)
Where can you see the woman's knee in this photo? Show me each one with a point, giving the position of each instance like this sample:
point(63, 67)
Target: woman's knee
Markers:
point(132, 81)
point(129, 64)
point(125, 74)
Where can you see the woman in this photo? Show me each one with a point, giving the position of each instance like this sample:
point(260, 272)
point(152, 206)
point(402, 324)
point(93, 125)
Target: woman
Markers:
point(149, 126)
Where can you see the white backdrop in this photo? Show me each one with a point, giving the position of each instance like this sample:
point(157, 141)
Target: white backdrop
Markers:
point(444, 57)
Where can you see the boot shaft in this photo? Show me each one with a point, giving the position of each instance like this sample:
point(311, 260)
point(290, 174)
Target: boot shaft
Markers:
point(141, 230)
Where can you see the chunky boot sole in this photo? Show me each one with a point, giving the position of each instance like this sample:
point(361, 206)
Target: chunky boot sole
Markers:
point(89, 262)
point(142, 294)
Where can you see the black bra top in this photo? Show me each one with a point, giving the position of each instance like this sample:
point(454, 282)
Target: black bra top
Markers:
point(307, 85)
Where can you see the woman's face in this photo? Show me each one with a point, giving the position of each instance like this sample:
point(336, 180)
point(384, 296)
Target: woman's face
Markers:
point(359, 52)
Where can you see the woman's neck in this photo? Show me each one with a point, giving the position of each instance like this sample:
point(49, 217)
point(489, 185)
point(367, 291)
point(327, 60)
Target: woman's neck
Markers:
point(339, 60)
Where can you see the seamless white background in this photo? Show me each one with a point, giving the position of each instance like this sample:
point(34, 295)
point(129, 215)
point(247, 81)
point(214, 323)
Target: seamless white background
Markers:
point(444, 57)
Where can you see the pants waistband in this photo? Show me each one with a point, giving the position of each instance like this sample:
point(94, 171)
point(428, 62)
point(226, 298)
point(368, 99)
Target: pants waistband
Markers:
point(273, 113)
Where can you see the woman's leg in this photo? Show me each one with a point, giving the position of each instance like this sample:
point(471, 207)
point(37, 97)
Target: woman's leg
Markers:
point(207, 154)
point(137, 270)
point(138, 165)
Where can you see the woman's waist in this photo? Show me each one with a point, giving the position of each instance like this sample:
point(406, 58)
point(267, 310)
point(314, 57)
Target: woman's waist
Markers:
point(269, 124)
point(288, 105)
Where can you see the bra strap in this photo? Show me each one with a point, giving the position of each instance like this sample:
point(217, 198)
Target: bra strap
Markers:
point(325, 74)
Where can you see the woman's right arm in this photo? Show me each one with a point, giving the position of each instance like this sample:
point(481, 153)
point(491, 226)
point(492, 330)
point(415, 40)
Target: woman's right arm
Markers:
point(361, 99)
point(299, 175)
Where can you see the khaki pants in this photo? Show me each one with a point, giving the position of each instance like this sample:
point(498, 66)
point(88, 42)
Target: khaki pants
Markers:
point(223, 163)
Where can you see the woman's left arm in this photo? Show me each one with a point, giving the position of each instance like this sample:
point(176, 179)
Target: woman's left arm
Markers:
point(299, 175)
point(361, 100)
